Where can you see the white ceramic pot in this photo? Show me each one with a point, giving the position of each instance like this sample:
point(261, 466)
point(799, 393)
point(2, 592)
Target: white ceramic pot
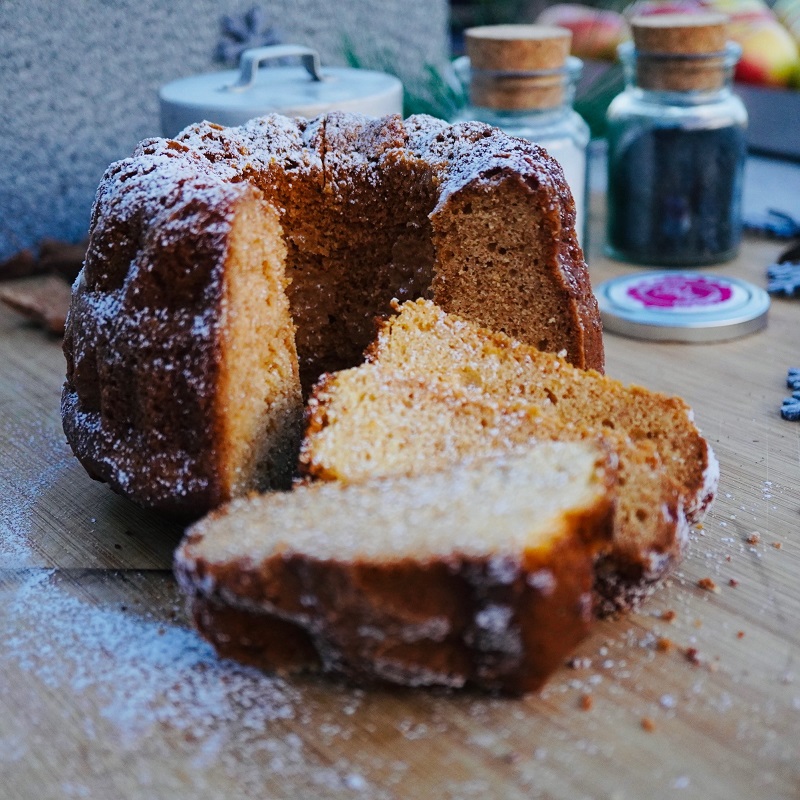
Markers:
point(232, 97)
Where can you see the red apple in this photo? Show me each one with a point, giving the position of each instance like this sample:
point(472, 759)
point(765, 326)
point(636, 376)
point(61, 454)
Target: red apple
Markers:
point(742, 10)
point(646, 8)
point(595, 32)
point(769, 53)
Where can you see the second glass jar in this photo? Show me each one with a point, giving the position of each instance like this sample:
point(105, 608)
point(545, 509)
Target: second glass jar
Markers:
point(676, 155)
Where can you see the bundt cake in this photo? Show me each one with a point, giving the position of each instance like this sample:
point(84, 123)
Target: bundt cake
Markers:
point(477, 575)
point(212, 256)
point(438, 390)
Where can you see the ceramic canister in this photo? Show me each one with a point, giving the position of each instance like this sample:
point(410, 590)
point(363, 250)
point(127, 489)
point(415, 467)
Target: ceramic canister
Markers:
point(232, 97)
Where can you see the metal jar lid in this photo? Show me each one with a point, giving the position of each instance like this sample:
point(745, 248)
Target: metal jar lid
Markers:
point(233, 97)
point(681, 306)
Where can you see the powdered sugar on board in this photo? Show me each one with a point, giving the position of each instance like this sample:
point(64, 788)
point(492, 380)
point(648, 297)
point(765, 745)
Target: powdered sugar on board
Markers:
point(141, 687)
point(23, 492)
point(116, 701)
point(143, 672)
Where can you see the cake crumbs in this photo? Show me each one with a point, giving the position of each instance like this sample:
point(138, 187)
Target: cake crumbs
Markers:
point(586, 702)
point(648, 724)
point(733, 583)
point(668, 615)
point(579, 662)
point(708, 585)
point(754, 538)
point(777, 545)
point(692, 655)
point(665, 645)
point(740, 634)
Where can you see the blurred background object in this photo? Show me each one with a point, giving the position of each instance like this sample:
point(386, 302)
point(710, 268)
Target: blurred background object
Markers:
point(767, 76)
point(82, 90)
point(80, 86)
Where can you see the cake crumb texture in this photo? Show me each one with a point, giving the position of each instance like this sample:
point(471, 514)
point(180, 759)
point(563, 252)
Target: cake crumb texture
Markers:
point(437, 389)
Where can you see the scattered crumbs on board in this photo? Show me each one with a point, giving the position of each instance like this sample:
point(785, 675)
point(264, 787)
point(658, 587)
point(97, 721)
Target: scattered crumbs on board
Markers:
point(151, 676)
point(708, 585)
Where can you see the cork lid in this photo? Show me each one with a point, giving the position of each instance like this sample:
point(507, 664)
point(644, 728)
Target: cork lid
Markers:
point(682, 34)
point(517, 66)
point(681, 51)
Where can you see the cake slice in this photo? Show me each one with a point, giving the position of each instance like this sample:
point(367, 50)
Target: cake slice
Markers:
point(437, 389)
point(476, 575)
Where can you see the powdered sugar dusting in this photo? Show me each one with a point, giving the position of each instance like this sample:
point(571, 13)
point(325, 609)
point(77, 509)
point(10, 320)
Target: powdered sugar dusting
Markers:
point(144, 673)
point(15, 524)
point(143, 687)
point(16, 506)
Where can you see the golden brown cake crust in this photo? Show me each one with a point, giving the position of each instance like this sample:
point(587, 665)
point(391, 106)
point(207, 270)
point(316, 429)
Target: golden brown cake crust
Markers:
point(345, 176)
point(476, 160)
point(550, 619)
point(370, 210)
point(142, 334)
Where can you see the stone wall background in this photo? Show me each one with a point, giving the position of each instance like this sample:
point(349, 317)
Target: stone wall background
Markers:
point(79, 82)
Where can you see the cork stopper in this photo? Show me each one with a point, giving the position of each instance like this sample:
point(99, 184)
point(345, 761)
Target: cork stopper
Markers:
point(680, 52)
point(515, 67)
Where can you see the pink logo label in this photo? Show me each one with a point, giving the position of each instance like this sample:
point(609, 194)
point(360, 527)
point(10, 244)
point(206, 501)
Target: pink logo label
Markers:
point(680, 291)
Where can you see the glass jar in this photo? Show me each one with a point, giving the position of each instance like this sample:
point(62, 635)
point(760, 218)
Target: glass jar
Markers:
point(676, 155)
point(532, 103)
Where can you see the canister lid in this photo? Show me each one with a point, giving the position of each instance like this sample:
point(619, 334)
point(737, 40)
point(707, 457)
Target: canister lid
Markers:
point(232, 97)
point(681, 306)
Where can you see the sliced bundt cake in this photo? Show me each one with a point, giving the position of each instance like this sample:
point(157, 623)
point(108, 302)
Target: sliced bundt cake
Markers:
point(212, 256)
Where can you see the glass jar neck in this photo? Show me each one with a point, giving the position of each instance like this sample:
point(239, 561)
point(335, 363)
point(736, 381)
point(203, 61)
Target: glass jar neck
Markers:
point(517, 92)
point(683, 98)
point(679, 79)
point(518, 116)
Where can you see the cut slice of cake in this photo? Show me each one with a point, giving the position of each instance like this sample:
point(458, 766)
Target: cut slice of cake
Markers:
point(437, 389)
point(477, 575)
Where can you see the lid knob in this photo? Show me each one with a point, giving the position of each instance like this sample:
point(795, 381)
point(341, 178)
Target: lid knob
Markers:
point(252, 59)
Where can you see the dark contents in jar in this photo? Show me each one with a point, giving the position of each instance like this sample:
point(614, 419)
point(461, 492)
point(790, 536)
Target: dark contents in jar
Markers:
point(674, 195)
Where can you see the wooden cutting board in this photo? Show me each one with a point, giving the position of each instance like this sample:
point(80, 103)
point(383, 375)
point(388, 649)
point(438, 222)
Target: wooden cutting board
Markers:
point(107, 692)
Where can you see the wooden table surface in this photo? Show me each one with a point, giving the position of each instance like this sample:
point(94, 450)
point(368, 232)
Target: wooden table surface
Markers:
point(106, 692)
